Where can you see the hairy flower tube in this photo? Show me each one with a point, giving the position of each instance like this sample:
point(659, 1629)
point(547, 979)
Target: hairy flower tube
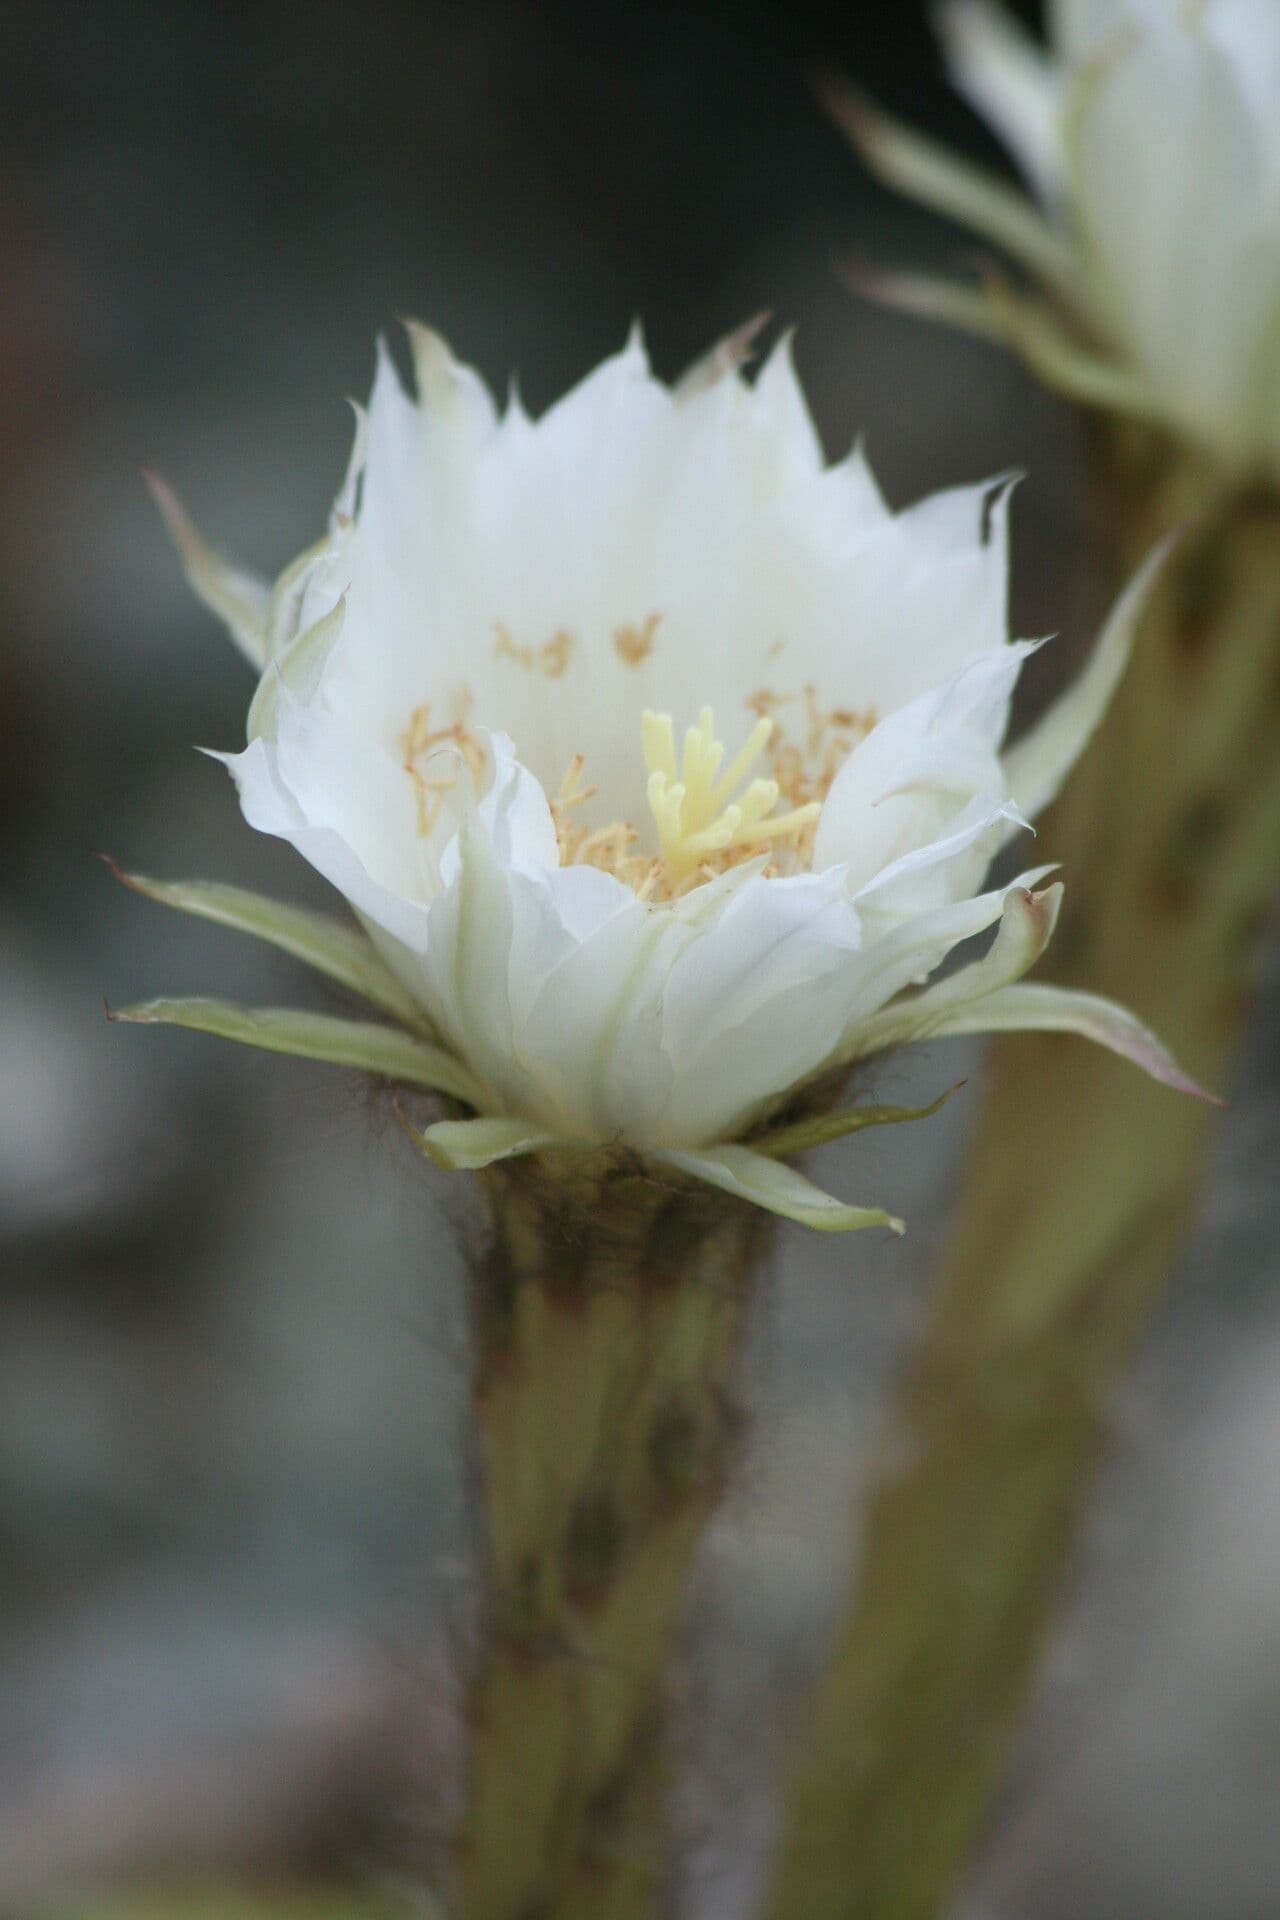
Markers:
point(661, 763)
point(1150, 137)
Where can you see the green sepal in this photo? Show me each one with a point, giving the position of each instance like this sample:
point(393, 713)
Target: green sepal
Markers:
point(1038, 763)
point(773, 1185)
point(340, 953)
point(317, 1036)
point(992, 310)
point(465, 1145)
point(1034, 1007)
point(961, 304)
point(1055, 356)
point(239, 600)
point(949, 185)
point(803, 1135)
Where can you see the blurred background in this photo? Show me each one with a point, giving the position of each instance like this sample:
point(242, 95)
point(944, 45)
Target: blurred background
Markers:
point(233, 1517)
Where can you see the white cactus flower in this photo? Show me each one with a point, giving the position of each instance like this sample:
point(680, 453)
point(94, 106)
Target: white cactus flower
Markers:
point(660, 761)
point(1150, 133)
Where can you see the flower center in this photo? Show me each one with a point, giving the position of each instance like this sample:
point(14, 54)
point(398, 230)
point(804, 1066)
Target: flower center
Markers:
point(702, 813)
point(708, 816)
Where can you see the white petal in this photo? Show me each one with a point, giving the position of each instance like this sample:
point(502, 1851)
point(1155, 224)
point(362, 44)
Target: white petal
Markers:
point(1174, 187)
point(778, 399)
point(1079, 27)
point(1026, 927)
point(929, 769)
point(911, 953)
point(756, 1003)
point(294, 671)
point(593, 1032)
point(450, 393)
point(515, 811)
point(483, 917)
point(944, 868)
point(268, 805)
point(725, 358)
point(1013, 83)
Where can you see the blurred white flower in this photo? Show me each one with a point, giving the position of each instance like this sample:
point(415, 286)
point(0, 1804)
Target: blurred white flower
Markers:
point(660, 761)
point(1150, 133)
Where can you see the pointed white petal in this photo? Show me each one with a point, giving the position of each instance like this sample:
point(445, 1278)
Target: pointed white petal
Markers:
point(922, 788)
point(446, 385)
point(734, 351)
point(776, 1187)
point(296, 669)
point(778, 399)
point(1012, 82)
point(756, 1003)
point(1025, 929)
point(308, 589)
point(344, 505)
point(913, 951)
point(271, 807)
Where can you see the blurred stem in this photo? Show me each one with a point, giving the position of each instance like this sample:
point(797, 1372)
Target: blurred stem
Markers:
point(1080, 1187)
point(608, 1319)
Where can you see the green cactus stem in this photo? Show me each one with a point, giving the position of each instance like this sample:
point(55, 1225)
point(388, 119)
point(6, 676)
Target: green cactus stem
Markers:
point(608, 1318)
point(1082, 1181)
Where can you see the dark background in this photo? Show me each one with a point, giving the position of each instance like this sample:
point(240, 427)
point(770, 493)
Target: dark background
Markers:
point(232, 1506)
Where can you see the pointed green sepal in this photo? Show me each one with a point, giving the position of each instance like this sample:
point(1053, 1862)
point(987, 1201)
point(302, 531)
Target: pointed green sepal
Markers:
point(949, 185)
point(930, 296)
point(239, 600)
point(317, 1036)
point(465, 1145)
point(340, 953)
point(823, 1128)
point(773, 1185)
point(1037, 764)
point(1032, 1007)
point(1057, 357)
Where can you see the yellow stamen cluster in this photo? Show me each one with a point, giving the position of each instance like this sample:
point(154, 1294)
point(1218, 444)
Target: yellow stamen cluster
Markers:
point(610, 848)
point(419, 741)
point(709, 816)
point(696, 813)
point(806, 765)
